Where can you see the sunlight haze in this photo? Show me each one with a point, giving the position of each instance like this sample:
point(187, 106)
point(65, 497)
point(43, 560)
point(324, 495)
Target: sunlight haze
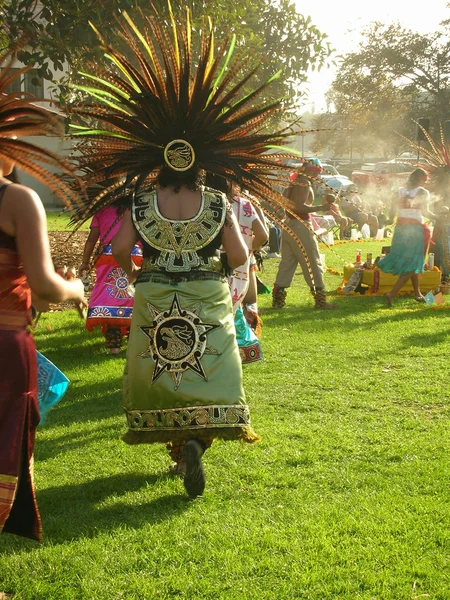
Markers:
point(343, 21)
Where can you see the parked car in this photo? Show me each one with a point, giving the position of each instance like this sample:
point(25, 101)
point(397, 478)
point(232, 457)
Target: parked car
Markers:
point(388, 174)
point(333, 179)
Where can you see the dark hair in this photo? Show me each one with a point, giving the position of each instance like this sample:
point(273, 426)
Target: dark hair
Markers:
point(192, 178)
point(415, 177)
point(13, 176)
point(217, 182)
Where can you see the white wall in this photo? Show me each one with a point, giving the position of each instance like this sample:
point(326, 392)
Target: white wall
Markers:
point(58, 146)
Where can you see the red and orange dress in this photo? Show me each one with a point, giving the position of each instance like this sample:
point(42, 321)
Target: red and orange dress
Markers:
point(19, 413)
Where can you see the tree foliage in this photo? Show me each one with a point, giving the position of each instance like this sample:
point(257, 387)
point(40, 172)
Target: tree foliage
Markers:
point(59, 33)
point(396, 76)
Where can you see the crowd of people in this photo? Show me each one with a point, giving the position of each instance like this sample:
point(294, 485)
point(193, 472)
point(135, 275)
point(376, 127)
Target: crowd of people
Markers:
point(176, 225)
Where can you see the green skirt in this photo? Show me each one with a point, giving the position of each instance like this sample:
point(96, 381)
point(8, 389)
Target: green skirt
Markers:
point(183, 376)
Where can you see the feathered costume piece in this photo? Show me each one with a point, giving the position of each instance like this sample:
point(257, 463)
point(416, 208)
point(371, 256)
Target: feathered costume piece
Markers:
point(20, 116)
point(438, 160)
point(154, 109)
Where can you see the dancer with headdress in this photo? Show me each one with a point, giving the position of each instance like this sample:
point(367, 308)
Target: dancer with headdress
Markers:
point(406, 257)
point(160, 123)
point(437, 155)
point(25, 266)
point(301, 193)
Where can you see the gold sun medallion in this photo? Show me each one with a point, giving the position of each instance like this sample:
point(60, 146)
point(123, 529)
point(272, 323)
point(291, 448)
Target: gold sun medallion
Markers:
point(177, 341)
point(179, 155)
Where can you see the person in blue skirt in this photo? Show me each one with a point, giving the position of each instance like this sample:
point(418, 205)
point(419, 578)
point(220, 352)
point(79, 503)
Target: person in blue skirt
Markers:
point(411, 236)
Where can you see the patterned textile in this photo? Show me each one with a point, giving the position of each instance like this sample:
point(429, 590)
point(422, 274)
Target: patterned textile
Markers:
point(249, 346)
point(19, 414)
point(183, 378)
point(239, 281)
point(19, 417)
point(111, 303)
point(8, 487)
point(52, 385)
point(15, 294)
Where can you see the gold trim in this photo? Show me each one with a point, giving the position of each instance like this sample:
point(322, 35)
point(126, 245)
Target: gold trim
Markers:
point(179, 155)
point(8, 479)
point(178, 242)
point(195, 417)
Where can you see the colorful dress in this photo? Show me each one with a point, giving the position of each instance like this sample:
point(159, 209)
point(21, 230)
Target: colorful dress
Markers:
point(411, 234)
point(111, 304)
point(19, 413)
point(183, 377)
point(248, 342)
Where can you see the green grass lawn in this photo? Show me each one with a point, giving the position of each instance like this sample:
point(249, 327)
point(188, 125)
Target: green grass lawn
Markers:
point(346, 496)
point(60, 221)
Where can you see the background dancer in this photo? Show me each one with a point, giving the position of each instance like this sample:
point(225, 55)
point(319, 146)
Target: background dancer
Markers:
point(302, 197)
point(110, 304)
point(406, 257)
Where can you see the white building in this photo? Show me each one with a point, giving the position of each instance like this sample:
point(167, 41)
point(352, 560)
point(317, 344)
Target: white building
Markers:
point(29, 82)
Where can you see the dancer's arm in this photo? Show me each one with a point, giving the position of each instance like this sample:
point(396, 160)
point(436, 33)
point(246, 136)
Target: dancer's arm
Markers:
point(123, 244)
point(23, 217)
point(89, 246)
point(233, 244)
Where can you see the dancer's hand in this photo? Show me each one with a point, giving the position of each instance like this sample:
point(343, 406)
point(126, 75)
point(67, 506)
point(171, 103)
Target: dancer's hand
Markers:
point(79, 299)
point(83, 267)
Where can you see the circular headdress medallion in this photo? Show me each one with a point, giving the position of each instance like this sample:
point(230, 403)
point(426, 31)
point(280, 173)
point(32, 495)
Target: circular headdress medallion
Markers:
point(179, 155)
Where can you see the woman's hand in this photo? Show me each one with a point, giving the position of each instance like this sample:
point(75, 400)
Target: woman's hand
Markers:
point(83, 267)
point(78, 291)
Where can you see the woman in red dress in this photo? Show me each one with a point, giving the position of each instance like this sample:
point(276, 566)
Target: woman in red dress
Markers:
point(25, 266)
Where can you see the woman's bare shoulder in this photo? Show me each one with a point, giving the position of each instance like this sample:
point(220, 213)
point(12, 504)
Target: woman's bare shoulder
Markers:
point(19, 197)
point(20, 204)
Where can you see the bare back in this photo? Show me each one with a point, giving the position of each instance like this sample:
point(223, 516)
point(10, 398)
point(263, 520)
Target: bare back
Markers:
point(179, 206)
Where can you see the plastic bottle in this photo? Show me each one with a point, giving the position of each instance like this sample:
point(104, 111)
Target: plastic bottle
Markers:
point(85, 280)
point(430, 260)
point(358, 257)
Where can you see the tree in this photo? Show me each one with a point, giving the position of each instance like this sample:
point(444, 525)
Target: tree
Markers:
point(58, 32)
point(395, 76)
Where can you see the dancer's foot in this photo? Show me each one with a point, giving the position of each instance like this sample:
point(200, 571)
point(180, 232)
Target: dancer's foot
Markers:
point(326, 306)
point(194, 480)
point(389, 300)
point(419, 298)
point(176, 468)
point(112, 351)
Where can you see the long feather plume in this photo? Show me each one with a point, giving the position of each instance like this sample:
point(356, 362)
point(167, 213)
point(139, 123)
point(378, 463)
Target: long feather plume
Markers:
point(20, 116)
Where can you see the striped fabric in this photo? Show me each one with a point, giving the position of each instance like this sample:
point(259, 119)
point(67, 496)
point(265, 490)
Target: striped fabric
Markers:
point(8, 487)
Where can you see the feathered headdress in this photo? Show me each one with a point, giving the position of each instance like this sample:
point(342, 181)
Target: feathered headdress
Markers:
point(437, 160)
point(20, 116)
point(158, 107)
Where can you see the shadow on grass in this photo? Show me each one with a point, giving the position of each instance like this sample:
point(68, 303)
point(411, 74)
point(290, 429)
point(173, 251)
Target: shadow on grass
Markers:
point(426, 340)
point(70, 512)
point(334, 318)
point(46, 449)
